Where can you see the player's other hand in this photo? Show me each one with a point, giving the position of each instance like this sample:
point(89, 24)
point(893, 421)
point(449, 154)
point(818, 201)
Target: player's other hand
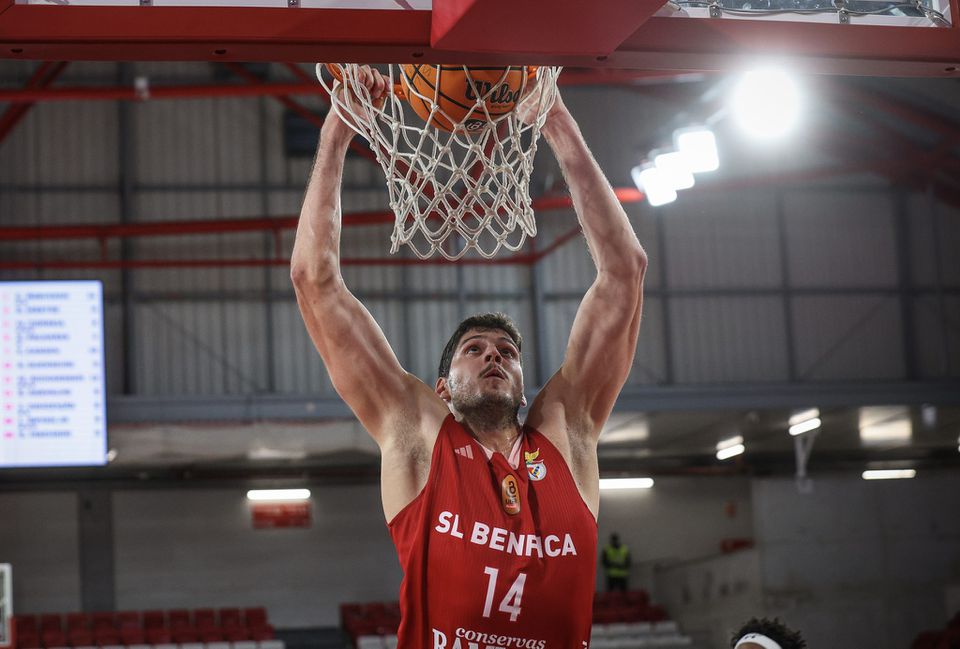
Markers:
point(376, 84)
point(529, 105)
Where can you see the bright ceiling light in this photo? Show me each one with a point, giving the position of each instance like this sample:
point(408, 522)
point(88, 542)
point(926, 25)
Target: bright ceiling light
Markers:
point(766, 103)
point(654, 184)
point(732, 451)
point(699, 146)
point(889, 474)
point(885, 424)
point(804, 422)
point(278, 495)
point(675, 168)
point(730, 447)
point(625, 483)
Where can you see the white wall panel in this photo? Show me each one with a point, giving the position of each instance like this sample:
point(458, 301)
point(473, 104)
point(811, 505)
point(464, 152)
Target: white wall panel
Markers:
point(39, 536)
point(197, 141)
point(495, 278)
point(199, 549)
point(937, 336)
point(431, 325)
point(200, 348)
point(728, 339)
point(840, 239)
point(650, 358)
point(719, 239)
point(569, 267)
point(857, 563)
point(114, 359)
point(296, 363)
point(647, 520)
point(649, 363)
point(63, 142)
point(839, 337)
point(557, 316)
point(428, 277)
point(170, 206)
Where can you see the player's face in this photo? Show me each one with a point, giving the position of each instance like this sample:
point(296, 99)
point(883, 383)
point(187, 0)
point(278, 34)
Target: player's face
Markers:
point(486, 365)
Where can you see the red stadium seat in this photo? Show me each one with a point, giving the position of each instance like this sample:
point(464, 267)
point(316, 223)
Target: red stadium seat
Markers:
point(154, 619)
point(25, 624)
point(255, 617)
point(185, 634)
point(158, 635)
point(106, 636)
point(77, 621)
point(132, 635)
point(637, 597)
point(210, 634)
point(230, 618)
point(80, 637)
point(261, 633)
point(52, 637)
point(29, 641)
point(127, 620)
point(179, 619)
point(102, 621)
point(50, 622)
point(235, 633)
point(205, 618)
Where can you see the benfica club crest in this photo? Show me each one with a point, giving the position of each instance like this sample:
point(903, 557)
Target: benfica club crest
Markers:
point(536, 468)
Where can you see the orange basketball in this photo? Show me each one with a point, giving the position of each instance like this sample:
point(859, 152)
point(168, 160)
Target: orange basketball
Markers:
point(461, 97)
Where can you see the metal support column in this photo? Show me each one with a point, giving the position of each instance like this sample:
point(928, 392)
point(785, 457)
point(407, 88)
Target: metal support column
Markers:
point(785, 287)
point(904, 282)
point(271, 246)
point(125, 180)
point(540, 334)
point(938, 265)
point(95, 531)
point(668, 376)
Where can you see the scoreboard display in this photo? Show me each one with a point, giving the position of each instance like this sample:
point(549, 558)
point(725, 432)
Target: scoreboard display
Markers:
point(52, 387)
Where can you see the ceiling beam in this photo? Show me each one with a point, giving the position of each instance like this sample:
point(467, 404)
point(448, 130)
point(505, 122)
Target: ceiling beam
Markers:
point(191, 33)
point(127, 410)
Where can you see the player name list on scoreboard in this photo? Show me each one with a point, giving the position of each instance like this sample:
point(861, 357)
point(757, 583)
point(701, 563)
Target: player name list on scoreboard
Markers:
point(52, 407)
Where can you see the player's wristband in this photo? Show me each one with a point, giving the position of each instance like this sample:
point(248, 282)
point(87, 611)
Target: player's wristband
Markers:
point(757, 638)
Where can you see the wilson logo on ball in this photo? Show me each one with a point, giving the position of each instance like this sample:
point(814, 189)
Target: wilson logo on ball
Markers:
point(456, 97)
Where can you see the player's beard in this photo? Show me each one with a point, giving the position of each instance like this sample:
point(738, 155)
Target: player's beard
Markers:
point(484, 412)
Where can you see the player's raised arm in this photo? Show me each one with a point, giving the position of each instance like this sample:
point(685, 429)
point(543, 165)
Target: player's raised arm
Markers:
point(364, 369)
point(579, 397)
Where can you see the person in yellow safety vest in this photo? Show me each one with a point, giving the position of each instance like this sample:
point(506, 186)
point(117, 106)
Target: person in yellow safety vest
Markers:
point(616, 563)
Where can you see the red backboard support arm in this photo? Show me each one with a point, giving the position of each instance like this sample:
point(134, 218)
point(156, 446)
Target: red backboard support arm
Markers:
point(57, 32)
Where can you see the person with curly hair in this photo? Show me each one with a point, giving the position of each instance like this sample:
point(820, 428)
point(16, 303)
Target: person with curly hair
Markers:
point(764, 633)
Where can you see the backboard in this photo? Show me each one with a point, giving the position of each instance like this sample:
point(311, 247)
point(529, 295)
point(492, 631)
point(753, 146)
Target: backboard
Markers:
point(861, 37)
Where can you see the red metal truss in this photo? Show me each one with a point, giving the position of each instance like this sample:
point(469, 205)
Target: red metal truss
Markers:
point(58, 32)
point(105, 231)
point(43, 76)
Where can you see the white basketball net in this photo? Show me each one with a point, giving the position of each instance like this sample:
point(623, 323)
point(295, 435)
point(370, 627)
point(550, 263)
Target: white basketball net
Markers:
point(451, 191)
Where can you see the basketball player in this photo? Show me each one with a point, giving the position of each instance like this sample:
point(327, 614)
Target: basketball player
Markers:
point(494, 521)
point(764, 633)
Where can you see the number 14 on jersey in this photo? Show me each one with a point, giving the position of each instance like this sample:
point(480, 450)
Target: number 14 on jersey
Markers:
point(510, 603)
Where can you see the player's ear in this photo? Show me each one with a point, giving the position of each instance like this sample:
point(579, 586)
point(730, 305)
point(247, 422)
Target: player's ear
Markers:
point(442, 389)
point(523, 400)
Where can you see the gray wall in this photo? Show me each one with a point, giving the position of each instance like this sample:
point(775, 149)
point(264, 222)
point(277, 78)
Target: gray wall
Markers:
point(39, 535)
point(738, 289)
point(854, 564)
point(197, 547)
point(860, 563)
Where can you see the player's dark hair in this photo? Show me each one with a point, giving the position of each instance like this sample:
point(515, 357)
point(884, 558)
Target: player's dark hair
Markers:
point(773, 629)
point(484, 322)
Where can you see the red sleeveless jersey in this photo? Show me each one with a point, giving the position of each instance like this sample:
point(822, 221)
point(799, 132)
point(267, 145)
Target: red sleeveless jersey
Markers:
point(495, 557)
